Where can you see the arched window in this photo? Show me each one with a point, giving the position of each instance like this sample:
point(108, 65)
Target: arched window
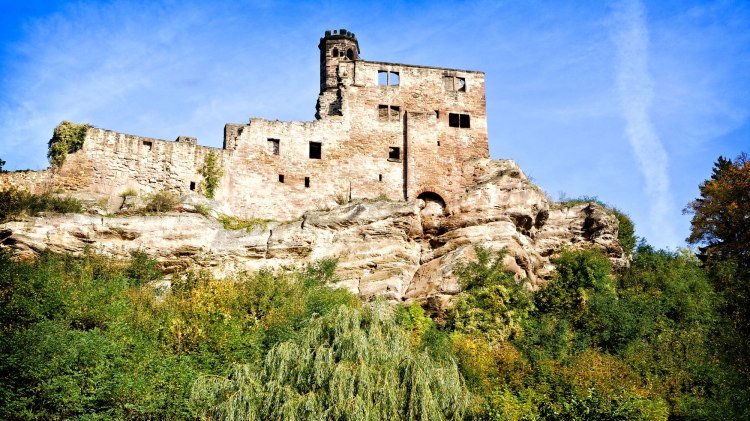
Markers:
point(350, 54)
point(335, 52)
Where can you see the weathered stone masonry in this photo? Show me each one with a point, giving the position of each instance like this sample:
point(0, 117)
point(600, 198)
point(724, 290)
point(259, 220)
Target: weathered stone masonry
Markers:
point(381, 130)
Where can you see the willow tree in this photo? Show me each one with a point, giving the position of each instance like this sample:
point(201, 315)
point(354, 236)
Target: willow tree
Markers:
point(350, 364)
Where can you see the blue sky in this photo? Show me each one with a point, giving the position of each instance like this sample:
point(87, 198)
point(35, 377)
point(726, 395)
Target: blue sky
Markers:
point(625, 100)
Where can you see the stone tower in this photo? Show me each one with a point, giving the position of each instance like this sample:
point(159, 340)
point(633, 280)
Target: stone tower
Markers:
point(335, 46)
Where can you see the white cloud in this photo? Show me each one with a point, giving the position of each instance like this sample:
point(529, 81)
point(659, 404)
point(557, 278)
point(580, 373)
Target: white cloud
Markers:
point(635, 90)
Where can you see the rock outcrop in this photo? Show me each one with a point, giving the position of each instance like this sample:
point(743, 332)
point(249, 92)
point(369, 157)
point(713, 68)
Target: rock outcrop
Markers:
point(400, 250)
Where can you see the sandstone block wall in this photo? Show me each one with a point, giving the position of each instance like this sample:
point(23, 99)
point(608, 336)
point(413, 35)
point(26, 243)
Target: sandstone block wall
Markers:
point(384, 130)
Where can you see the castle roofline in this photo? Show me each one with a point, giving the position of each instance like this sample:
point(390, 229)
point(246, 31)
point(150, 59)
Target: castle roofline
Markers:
point(421, 67)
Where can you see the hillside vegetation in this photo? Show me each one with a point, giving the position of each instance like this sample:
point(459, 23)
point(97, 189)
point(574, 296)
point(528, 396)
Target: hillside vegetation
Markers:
point(92, 338)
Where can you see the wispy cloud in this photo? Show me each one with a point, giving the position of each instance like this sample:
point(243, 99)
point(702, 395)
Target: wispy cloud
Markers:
point(635, 90)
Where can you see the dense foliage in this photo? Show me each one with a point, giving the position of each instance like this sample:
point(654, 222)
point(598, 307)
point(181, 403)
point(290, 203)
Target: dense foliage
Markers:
point(67, 138)
point(721, 227)
point(14, 202)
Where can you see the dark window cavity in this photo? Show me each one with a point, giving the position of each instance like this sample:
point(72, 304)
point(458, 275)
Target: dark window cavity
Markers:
point(273, 146)
point(350, 54)
point(459, 120)
point(281, 178)
point(438, 143)
point(307, 181)
point(394, 154)
point(335, 52)
point(315, 148)
point(460, 84)
point(192, 185)
point(380, 177)
point(148, 145)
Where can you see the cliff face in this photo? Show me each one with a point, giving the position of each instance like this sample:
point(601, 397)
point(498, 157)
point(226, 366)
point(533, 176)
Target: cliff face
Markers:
point(400, 250)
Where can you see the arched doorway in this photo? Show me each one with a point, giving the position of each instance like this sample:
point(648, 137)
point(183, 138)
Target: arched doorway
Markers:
point(431, 204)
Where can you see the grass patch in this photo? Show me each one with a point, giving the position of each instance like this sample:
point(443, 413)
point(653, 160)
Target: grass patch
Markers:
point(14, 202)
point(236, 224)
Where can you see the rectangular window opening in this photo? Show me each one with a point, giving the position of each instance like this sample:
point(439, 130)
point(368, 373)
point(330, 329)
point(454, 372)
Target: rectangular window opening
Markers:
point(393, 79)
point(383, 112)
point(460, 84)
point(448, 83)
point(380, 177)
point(148, 144)
point(273, 146)
point(315, 150)
point(438, 143)
point(307, 182)
point(382, 78)
point(281, 178)
point(394, 153)
point(192, 186)
point(437, 114)
point(394, 114)
point(459, 120)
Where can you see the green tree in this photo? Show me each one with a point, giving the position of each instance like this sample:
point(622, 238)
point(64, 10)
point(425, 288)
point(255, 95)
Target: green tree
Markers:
point(67, 138)
point(212, 173)
point(352, 363)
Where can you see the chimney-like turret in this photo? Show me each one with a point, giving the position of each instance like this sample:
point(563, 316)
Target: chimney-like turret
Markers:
point(335, 46)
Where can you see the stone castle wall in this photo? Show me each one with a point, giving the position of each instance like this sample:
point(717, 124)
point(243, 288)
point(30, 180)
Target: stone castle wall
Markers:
point(384, 131)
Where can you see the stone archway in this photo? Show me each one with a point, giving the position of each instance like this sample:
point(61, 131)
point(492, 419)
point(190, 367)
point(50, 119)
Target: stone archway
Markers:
point(431, 210)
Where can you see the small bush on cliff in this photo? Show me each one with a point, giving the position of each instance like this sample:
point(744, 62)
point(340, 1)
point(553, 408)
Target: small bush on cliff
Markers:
point(162, 201)
point(14, 202)
point(67, 138)
point(626, 232)
point(212, 173)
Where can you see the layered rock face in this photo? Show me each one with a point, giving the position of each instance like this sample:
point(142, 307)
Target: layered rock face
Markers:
point(399, 250)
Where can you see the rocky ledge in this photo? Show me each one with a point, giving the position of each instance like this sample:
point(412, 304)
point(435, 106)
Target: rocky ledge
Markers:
point(400, 250)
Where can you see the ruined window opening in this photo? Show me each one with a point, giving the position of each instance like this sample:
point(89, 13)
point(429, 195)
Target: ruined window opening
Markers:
point(273, 146)
point(281, 178)
point(454, 83)
point(465, 122)
point(315, 150)
point(388, 78)
point(382, 78)
point(148, 144)
point(459, 120)
point(394, 114)
point(394, 154)
point(438, 143)
point(383, 112)
point(350, 54)
point(307, 182)
point(192, 186)
point(393, 79)
point(335, 52)
point(380, 177)
point(437, 114)
point(461, 84)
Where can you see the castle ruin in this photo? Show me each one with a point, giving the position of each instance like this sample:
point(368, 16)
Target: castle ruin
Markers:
point(382, 130)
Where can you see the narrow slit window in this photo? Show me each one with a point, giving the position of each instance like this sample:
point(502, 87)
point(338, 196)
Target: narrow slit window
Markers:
point(382, 78)
point(394, 154)
point(380, 177)
point(315, 150)
point(438, 143)
point(192, 186)
point(281, 178)
point(307, 182)
point(274, 146)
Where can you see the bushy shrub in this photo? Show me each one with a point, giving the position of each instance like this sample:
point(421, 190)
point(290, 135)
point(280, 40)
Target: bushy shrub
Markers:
point(162, 201)
point(67, 138)
point(15, 202)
